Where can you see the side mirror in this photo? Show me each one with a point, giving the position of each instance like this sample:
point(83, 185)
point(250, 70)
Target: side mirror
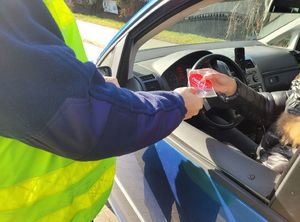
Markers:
point(105, 70)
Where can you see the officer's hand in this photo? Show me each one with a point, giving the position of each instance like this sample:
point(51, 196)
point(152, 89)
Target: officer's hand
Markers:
point(221, 83)
point(192, 102)
point(112, 80)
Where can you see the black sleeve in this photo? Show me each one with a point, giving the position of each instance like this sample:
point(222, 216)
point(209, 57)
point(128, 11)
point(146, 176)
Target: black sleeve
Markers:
point(262, 108)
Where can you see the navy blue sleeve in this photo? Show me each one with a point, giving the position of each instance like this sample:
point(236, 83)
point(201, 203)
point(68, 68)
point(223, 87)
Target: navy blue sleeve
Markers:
point(110, 122)
point(54, 102)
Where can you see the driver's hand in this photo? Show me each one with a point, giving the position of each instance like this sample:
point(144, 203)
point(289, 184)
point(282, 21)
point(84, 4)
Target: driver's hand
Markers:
point(222, 83)
point(193, 103)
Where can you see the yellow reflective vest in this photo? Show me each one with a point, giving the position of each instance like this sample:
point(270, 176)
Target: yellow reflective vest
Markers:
point(36, 185)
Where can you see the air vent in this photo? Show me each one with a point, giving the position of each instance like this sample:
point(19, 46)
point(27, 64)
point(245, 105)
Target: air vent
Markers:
point(147, 77)
point(152, 85)
point(248, 64)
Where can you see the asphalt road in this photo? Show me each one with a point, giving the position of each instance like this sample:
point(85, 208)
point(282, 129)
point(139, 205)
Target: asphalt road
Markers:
point(92, 51)
point(95, 38)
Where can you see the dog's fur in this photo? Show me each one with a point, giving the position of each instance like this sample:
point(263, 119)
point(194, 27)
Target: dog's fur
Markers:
point(288, 126)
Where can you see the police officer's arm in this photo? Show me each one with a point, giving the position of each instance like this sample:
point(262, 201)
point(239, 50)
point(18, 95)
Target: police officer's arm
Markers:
point(67, 108)
point(52, 101)
point(110, 121)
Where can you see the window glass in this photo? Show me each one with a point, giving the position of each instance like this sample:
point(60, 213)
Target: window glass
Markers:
point(223, 21)
point(108, 61)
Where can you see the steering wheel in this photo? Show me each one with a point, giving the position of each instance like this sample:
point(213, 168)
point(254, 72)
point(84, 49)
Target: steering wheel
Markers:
point(210, 104)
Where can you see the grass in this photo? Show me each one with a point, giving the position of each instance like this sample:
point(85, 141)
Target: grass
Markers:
point(183, 38)
point(99, 21)
point(168, 36)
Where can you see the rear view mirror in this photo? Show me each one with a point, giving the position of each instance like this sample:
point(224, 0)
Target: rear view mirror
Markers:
point(285, 6)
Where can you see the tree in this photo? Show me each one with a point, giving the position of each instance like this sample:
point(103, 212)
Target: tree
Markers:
point(252, 23)
point(129, 7)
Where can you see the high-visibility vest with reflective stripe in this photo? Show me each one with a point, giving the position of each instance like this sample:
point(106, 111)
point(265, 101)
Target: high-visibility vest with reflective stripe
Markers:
point(36, 185)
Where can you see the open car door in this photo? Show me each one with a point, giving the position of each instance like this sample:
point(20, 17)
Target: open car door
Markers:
point(191, 175)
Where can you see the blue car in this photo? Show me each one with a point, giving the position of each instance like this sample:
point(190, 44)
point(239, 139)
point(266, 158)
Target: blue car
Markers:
point(205, 170)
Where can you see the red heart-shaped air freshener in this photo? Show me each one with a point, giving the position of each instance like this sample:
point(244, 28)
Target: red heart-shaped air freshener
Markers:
point(207, 84)
point(195, 80)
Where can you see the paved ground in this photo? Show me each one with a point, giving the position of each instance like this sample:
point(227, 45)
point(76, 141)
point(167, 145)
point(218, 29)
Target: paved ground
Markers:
point(92, 51)
point(95, 37)
point(106, 215)
point(96, 34)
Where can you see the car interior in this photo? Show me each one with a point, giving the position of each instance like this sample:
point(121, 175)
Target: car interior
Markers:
point(265, 57)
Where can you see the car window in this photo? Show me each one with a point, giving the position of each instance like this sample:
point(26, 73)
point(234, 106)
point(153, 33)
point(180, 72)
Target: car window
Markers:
point(224, 21)
point(217, 22)
point(108, 60)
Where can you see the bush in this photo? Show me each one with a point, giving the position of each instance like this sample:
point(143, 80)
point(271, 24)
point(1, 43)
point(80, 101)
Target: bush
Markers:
point(95, 7)
point(129, 7)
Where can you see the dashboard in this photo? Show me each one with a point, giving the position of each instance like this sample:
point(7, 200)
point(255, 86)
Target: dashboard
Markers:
point(266, 68)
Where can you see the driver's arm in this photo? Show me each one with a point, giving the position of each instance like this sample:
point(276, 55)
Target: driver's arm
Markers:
point(260, 107)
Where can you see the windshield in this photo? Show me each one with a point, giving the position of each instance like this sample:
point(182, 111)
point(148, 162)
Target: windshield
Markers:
point(226, 21)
